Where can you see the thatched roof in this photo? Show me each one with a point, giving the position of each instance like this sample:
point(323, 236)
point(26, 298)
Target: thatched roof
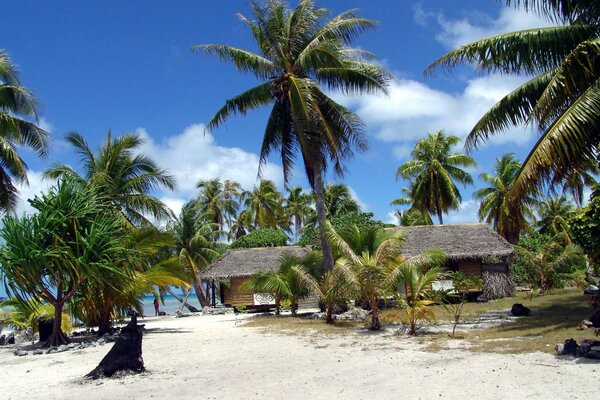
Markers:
point(459, 242)
point(245, 262)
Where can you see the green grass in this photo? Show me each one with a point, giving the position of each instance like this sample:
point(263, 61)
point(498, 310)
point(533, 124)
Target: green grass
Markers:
point(553, 319)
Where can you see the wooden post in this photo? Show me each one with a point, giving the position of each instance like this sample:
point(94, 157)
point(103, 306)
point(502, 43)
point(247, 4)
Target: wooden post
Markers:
point(214, 298)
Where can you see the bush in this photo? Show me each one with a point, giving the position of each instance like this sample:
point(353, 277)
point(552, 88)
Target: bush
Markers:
point(586, 230)
point(261, 238)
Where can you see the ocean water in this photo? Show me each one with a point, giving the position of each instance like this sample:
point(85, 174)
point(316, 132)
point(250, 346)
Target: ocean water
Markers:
point(170, 306)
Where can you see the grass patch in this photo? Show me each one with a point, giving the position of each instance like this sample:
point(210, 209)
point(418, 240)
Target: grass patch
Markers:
point(301, 326)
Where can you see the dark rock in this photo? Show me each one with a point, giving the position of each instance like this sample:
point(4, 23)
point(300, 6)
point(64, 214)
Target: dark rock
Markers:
point(10, 339)
point(570, 347)
point(2, 340)
point(482, 298)
point(519, 310)
point(595, 319)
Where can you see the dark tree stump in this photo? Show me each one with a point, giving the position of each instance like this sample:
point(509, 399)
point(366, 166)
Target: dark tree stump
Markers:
point(45, 327)
point(519, 310)
point(125, 355)
point(595, 319)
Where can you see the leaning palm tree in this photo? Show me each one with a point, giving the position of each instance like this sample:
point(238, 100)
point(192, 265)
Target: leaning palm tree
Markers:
point(120, 176)
point(434, 169)
point(562, 98)
point(298, 51)
point(17, 111)
point(508, 216)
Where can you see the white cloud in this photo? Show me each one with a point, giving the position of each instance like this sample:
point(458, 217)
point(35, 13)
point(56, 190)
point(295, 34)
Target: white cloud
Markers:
point(413, 108)
point(46, 125)
point(192, 156)
point(36, 186)
point(363, 206)
point(175, 204)
point(477, 25)
point(466, 213)
point(391, 218)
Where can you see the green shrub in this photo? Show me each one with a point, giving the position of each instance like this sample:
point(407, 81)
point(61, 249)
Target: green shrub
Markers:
point(261, 238)
point(310, 235)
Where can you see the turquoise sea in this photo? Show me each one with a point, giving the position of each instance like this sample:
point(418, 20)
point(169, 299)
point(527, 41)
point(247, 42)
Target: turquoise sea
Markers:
point(170, 306)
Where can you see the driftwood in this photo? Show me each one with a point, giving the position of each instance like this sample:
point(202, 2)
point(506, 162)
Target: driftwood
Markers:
point(125, 355)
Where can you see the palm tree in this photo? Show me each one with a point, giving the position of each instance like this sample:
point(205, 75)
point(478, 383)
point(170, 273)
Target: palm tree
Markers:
point(555, 215)
point(298, 50)
point(265, 205)
point(120, 176)
point(195, 246)
point(339, 200)
point(434, 170)
point(574, 181)
point(219, 202)
point(372, 257)
point(498, 207)
point(298, 208)
point(416, 214)
point(561, 100)
point(418, 295)
point(17, 110)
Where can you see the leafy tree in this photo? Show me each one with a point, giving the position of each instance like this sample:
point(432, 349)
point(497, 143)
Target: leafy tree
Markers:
point(550, 262)
point(434, 169)
point(23, 316)
point(562, 98)
point(298, 51)
point(261, 238)
point(71, 239)
point(585, 227)
point(120, 176)
point(17, 111)
point(334, 287)
point(507, 214)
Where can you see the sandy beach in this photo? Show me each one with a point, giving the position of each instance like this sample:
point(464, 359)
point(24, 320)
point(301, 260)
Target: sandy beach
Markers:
point(217, 357)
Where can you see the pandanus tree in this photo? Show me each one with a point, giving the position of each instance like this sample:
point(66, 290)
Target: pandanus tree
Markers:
point(433, 170)
point(561, 100)
point(507, 214)
point(120, 175)
point(73, 238)
point(18, 117)
point(299, 51)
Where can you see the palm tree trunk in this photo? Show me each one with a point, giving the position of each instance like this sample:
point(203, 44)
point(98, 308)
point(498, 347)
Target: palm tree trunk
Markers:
point(439, 214)
point(322, 219)
point(202, 298)
point(190, 307)
point(375, 322)
point(329, 318)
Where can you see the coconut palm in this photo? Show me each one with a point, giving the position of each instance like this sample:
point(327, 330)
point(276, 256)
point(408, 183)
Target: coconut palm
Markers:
point(298, 51)
point(575, 180)
point(372, 256)
point(416, 214)
point(120, 176)
point(434, 169)
point(265, 205)
point(17, 111)
point(218, 202)
point(555, 215)
point(298, 208)
point(562, 98)
point(418, 295)
point(73, 238)
point(507, 214)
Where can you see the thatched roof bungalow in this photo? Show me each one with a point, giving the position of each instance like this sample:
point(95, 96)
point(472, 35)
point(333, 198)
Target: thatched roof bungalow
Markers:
point(236, 265)
point(473, 249)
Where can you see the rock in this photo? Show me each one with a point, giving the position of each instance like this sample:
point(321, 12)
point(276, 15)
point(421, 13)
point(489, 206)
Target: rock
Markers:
point(101, 341)
point(519, 310)
point(595, 355)
point(482, 298)
point(317, 315)
point(217, 310)
point(2, 340)
point(20, 353)
point(595, 319)
point(560, 348)
point(356, 314)
point(71, 346)
point(10, 339)
point(570, 347)
point(62, 348)
point(37, 352)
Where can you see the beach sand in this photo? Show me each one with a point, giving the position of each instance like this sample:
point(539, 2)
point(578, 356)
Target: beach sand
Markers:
point(217, 357)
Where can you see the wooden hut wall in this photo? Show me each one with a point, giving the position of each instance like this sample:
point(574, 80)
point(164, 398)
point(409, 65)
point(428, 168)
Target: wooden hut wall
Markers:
point(470, 267)
point(234, 296)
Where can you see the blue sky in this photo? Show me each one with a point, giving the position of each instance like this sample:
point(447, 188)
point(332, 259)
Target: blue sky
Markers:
point(128, 67)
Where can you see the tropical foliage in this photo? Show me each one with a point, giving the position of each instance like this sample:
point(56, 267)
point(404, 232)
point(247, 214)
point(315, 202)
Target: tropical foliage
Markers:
point(433, 170)
point(561, 99)
point(261, 238)
point(18, 114)
point(585, 227)
point(298, 52)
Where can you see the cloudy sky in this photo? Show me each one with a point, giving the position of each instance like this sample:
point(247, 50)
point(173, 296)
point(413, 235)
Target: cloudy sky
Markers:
point(127, 67)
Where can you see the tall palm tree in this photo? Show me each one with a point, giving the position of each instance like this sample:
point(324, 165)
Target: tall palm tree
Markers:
point(561, 100)
point(555, 215)
point(339, 200)
point(120, 176)
point(508, 216)
point(416, 214)
point(265, 205)
point(298, 208)
point(298, 51)
point(434, 169)
point(17, 111)
point(574, 181)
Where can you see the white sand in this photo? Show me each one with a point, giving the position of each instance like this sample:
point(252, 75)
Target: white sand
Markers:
point(215, 357)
